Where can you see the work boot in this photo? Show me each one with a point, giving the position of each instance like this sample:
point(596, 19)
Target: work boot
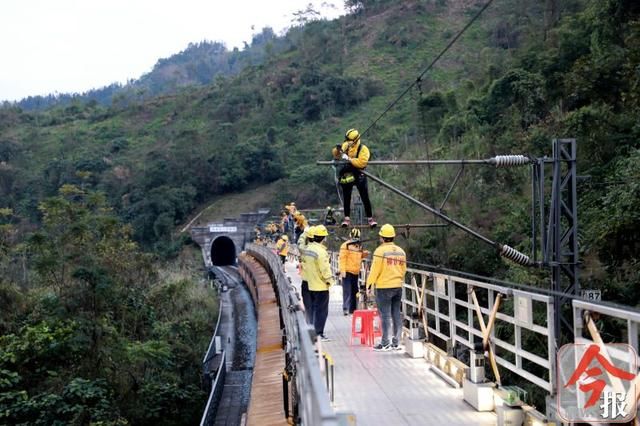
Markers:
point(346, 222)
point(372, 222)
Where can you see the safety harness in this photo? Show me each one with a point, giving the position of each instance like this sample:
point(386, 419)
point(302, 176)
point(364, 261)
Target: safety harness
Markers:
point(349, 173)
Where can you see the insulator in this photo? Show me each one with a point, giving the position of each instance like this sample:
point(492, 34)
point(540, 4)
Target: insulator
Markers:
point(515, 256)
point(509, 160)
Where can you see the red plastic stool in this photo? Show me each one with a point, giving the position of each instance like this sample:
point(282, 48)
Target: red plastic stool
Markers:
point(376, 327)
point(363, 326)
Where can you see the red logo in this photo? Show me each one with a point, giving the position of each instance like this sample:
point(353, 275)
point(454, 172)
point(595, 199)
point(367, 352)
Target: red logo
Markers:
point(599, 384)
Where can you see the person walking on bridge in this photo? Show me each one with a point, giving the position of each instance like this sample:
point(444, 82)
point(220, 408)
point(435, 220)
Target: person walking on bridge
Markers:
point(388, 268)
point(356, 154)
point(305, 263)
point(349, 261)
point(320, 280)
point(282, 248)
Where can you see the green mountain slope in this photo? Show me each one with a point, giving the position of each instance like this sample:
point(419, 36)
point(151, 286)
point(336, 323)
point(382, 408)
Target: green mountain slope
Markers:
point(522, 75)
point(92, 332)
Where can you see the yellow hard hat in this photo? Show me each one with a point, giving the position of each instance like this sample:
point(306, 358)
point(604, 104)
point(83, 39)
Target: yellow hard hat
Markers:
point(311, 232)
point(352, 135)
point(354, 234)
point(284, 237)
point(387, 231)
point(320, 231)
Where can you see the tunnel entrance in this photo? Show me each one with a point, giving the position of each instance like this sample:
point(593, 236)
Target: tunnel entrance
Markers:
point(223, 252)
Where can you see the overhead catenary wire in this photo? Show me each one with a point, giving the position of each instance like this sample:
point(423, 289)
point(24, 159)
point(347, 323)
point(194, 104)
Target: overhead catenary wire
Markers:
point(499, 161)
point(505, 250)
point(524, 287)
point(435, 60)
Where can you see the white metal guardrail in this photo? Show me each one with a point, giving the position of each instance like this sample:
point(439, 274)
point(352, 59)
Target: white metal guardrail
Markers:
point(525, 344)
point(451, 317)
point(217, 387)
point(311, 396)
point(523, 336)
point(628, 319)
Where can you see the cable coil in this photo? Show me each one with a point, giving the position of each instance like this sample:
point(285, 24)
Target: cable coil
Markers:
point(515, 256)
point(509, 160)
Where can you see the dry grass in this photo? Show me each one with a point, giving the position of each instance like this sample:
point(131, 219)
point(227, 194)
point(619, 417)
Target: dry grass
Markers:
point(231, 205)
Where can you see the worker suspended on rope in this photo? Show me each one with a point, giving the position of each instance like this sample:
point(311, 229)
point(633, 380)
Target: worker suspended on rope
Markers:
point(357, 156)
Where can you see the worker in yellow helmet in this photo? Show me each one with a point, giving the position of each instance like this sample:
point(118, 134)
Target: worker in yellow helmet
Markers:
point(282, 248)
point(388, 268)
point(320, 280)
point(349, 261)
point(356, 155)
point(305, 258)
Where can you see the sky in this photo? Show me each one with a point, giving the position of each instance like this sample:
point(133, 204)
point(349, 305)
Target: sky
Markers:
point(71, 46)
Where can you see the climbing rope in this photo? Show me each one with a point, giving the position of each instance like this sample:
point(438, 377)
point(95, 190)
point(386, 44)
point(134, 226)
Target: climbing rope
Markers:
point(437, 58)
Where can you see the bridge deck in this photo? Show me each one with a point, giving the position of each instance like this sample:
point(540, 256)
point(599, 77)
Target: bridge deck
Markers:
point(388, 388)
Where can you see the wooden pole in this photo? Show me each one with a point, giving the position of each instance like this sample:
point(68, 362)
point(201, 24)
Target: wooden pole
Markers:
point(486, 331)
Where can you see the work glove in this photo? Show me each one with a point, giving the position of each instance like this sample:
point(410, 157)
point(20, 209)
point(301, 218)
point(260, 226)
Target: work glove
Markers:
point(345, 157)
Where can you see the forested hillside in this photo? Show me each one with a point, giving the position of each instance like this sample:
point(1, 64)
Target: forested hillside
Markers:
point(77, 181)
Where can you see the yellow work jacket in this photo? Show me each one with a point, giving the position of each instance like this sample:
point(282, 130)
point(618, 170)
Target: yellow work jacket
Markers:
point(282, 247)
point(350, 257)
point(304, 256)
point(360, 161)
point(388, 267)
point(318, 273)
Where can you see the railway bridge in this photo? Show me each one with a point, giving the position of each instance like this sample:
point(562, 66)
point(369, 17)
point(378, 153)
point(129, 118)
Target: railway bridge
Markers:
point(443, 375)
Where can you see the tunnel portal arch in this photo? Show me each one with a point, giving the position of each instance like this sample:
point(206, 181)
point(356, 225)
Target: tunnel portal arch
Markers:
point(223, 251)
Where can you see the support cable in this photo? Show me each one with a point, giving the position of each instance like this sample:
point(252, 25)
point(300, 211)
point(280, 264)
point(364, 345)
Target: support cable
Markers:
point(505, 250)
point(437, 58)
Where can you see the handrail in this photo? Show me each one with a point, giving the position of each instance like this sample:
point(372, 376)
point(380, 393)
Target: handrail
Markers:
point(209, 365)
point(631, 318)
point(448, 293)
point(215, 394)
point(212, 349)
point(313, 406)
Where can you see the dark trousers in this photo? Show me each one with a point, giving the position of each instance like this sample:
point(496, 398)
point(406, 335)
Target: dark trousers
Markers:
point(349, 292)
point(283, 258)
point(320, 310)
point(347, 188)
point(389, 302)
point(306, 301)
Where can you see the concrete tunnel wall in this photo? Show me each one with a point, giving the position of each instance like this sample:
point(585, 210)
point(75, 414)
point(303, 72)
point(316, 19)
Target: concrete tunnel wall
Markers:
point(223, 251)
